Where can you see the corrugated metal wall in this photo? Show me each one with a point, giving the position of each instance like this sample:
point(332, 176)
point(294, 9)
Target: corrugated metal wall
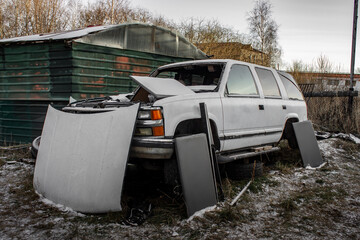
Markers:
point(35, 71)
point(100, 71)
point(35, 75)
point(22, 120)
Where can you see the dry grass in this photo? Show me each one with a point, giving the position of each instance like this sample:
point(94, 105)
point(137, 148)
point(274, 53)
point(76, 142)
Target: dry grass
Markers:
point(286, 203)
point(331, 114)
point(15, 152)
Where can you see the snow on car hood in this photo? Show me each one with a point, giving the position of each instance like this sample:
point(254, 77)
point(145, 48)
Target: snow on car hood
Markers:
point(162, 87)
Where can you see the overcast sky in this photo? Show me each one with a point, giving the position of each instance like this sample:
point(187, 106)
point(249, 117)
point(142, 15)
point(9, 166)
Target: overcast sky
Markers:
point(307, 29)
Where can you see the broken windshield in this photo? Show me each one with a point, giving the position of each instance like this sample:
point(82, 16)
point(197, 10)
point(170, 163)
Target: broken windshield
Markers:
point(199, 77)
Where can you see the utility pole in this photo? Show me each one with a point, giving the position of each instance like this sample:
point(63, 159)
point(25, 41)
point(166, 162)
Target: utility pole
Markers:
point(353, 49)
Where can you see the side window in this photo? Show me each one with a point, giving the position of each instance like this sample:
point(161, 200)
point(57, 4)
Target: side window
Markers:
point(292, 91)
point(241, 81)
point(268, 82)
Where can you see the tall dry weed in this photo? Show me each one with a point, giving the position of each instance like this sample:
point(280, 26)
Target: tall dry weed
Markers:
point(332, 114)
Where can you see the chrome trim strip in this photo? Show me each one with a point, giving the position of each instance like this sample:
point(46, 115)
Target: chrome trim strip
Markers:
point(250, 134)
point(149, 123)
point(242, 95)
point(154, 140)
point(273, 130)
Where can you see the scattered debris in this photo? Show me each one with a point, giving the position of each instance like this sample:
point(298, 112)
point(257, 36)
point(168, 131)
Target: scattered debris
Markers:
point(349, 137)
point(201, 213)
point(138, 216)
point(28, 160)
point(10, 162)
point(240, 194)
point(314, 168)
point(15, 147)
point(325, 135)
point(322, 135)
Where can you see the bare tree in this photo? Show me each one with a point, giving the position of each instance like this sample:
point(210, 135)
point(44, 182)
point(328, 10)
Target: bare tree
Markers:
point(217, 40)
point(74, 8)
point(200, 31)
point(24, 17)
point(263, 30)
point(93, 14)
point(47, 16)
point(302, 72)
point(111, 12)
point(1, 19)
point(323, 64)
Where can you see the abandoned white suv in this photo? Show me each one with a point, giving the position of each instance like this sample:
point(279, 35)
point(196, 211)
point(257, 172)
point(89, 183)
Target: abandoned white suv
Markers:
point(248, 106)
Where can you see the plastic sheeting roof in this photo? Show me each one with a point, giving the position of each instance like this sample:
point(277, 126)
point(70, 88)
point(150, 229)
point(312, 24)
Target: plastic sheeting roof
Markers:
point(67, 35)
point(133, 36)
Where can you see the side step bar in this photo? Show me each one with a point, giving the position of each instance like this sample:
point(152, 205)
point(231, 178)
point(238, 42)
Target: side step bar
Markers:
point(240, 155)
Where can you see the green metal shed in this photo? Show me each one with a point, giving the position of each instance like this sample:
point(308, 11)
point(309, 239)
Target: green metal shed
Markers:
point(96, 61)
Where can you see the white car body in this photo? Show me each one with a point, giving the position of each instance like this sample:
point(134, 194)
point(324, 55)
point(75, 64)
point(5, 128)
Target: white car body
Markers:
point(240, 121)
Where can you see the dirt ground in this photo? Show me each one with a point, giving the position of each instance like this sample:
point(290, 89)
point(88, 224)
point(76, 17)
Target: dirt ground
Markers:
point(288, 202)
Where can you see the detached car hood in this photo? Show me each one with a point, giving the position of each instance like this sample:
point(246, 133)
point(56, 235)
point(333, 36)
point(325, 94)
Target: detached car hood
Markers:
point(162, 87)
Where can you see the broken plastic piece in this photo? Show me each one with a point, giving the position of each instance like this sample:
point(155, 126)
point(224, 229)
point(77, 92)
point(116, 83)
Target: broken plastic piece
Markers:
point(196, 174)
point(309, 148)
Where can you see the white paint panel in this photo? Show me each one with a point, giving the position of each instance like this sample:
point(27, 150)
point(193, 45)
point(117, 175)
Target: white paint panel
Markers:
point(162, 87)
point(82, 158)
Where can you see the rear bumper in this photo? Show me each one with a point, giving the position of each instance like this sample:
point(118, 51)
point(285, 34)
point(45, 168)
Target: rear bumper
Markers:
point(152, 148)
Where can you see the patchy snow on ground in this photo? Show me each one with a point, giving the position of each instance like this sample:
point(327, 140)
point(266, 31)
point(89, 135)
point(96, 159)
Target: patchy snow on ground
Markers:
point(201, 213)
point(286, 203)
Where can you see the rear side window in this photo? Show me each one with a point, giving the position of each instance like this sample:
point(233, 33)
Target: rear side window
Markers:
point(268, 83)
point(292, 91)
point(241, 81)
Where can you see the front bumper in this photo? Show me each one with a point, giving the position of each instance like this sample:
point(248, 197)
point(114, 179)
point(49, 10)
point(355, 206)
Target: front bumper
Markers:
point(152, 148)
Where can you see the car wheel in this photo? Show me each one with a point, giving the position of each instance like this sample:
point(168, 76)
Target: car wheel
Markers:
point(171, 172)
point(292, 142)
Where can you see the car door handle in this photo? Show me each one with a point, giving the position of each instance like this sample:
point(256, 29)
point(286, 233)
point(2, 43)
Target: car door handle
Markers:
point(284, 107)
point(261, 107)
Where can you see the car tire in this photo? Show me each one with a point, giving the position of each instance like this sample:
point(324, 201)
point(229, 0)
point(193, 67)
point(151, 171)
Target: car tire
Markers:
point(171, 172)
point(292, 142)
point(290, 134)
point(240, 171)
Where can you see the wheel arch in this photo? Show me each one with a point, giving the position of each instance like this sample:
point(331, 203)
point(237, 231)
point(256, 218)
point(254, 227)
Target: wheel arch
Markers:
point(288, 132)
point(193, 126)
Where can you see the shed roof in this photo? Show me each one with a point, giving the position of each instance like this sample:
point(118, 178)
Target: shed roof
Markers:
point(133, 36)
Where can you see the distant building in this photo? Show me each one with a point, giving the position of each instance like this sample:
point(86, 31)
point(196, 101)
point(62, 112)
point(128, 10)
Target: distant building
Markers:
point(327, 81)
point(236, 51)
